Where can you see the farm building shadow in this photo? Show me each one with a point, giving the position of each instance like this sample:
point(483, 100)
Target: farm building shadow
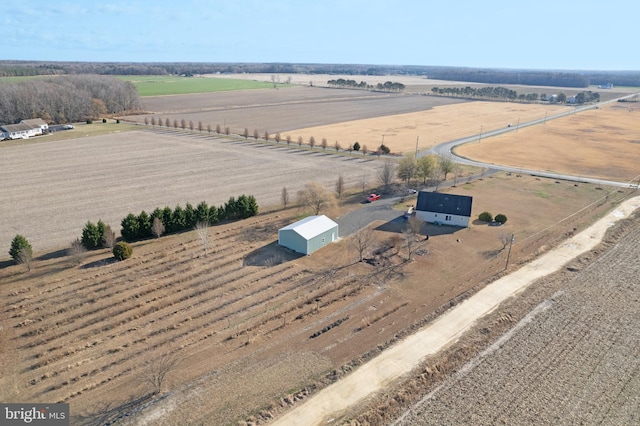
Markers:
point(270, 255)
point(399, 224)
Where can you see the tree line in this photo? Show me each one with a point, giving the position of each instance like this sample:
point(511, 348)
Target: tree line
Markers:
point(387, 86)
point(477, 75)
point(503, 93)
point(69, 98)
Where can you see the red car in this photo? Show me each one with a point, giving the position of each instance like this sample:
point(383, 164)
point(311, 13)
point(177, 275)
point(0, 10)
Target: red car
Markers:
point(373, 197)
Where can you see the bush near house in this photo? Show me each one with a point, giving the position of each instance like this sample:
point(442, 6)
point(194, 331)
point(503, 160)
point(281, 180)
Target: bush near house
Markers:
point(500, 218)
point(485, 217)
point(122, 250)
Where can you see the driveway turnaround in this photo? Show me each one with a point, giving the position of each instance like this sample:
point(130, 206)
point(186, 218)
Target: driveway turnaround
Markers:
point(400, 359)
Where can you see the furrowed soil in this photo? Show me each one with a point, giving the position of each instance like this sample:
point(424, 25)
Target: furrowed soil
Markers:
point(231, 332)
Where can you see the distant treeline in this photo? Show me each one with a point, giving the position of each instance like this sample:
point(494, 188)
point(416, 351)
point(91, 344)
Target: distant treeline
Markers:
point(387, 86)
point(502, 93)
point(69, 98)
point(476, 75)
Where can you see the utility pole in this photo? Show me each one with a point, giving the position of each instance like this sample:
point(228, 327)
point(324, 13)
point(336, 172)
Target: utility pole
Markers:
point(417, 137)
point(545, 118)
point(509, 253)
point(480, 138)
point(518, 125)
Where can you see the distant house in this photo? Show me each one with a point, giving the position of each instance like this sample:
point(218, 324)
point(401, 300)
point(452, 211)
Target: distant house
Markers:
point(37, 123)
point(23, 130)
point(606, 86)
point(444, 209)
point(308, 235)
point(19, 131)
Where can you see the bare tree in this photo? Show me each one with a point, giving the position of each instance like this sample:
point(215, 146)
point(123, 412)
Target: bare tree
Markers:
point(227, 130)
point(386, 173)
point(146, 121)
point(76, 250)
point(446, 164)
point(246, 133)
point(203, 233)
point(284, 197)
point(299, 140)
point(153, 121)
point(218, 129)
point(505, 239)
point(167, 123)
point(25, 257)
point(157, 227)
point(209, 129)
point(175, 124)
point(457, 172)
point(256, 134)
point(278, 138)
point(191, 125)
point(339, 186)
point(109, 237)
point(200, 128)
point(415, 225)
point(266, 135)
point(158, 370)
point(183, 124)
point(364, 150)
point(316, 197)
point(362, 240)
point(409, 240)
point(288, 140)
point(337, 146)
point(350, 148)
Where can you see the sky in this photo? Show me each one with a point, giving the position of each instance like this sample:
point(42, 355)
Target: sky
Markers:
point(540, 34)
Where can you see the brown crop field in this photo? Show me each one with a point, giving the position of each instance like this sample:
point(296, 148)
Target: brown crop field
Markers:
point(172, 336)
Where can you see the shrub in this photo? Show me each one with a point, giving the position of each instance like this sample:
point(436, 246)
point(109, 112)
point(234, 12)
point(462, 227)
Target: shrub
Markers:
point(485, 217)
point(89, 121)
point(130, 227)
point(92, 235)
point(356, 146)
point(118, 121)
point(501, 218)
point(104, 120)
point(122, 250)
point(19, 244)
point(384, 148)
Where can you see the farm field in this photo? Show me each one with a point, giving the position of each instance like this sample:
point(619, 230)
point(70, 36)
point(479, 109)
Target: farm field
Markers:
point(173, 85)
point(240, 320)
point(54, 188)
point(601, 143)
point(574, 361)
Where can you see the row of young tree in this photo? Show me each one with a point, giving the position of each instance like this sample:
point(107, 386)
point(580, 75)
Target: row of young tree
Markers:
point(63, 99)
point(167, 220)
point(426, 168)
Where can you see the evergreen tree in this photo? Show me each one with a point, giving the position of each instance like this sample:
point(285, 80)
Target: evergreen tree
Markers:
point(18, 244)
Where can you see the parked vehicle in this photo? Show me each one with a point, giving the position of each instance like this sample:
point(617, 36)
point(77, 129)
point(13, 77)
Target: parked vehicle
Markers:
point(373, 197)
point(410, 212)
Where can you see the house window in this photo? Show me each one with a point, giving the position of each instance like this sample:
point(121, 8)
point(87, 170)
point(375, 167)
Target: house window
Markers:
point(323, 239)
point(447, 217)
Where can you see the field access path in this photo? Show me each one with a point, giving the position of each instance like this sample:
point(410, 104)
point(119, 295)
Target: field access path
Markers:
point(406, 355)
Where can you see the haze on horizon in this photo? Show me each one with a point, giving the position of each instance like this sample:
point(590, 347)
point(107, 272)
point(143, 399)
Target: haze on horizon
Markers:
point(554, 35)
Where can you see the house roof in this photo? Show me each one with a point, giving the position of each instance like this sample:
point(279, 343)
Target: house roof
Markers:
point(20, 127)
point(438, 202)
point(35, 122)
point(311, 226)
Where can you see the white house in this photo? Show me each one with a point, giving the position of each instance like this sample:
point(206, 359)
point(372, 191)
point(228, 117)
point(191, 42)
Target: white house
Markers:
point(444, 209)
point(37, 123)
point(309, 234)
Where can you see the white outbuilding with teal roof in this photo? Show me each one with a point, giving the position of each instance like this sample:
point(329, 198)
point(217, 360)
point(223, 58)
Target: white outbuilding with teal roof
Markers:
point(309, 234)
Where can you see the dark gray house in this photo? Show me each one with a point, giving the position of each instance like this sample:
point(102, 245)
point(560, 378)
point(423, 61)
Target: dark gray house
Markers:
point(444, 209)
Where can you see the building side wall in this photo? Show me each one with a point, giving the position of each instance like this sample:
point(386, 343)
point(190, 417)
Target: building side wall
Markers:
point(293, 241)
point(322, 240)
point(443, 219)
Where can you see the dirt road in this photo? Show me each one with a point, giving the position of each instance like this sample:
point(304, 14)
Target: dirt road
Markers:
point(400, 359)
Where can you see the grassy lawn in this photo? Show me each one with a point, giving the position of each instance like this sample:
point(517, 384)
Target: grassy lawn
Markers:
point(171, 85)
